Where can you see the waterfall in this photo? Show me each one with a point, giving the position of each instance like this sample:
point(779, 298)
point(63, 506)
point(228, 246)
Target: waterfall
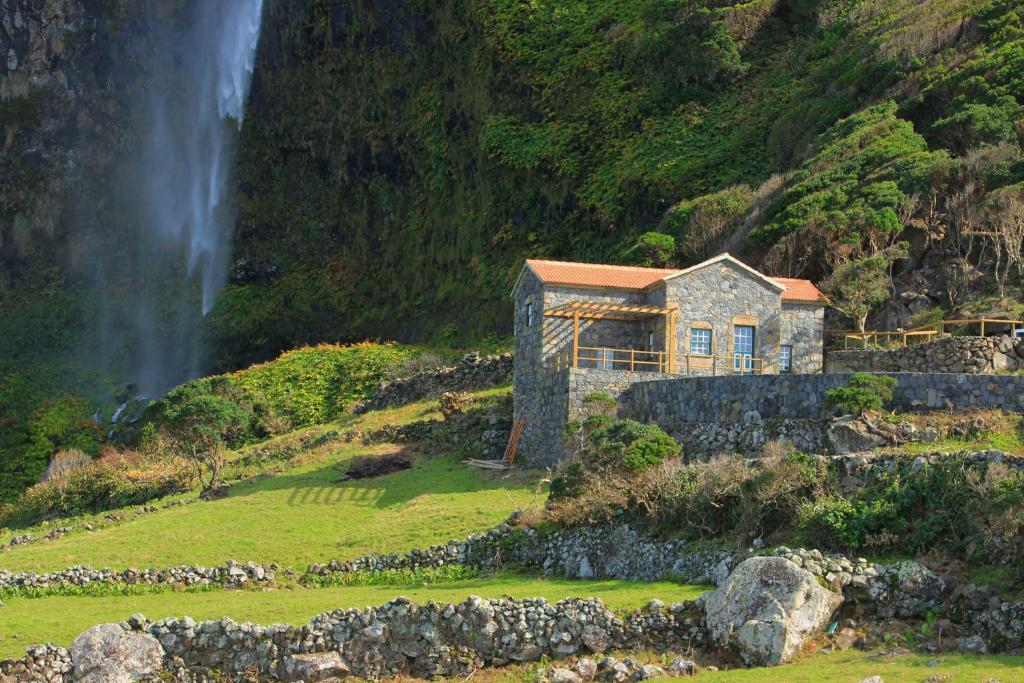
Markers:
point(158, 272)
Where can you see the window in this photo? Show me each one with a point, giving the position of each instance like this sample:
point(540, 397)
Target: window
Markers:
point(785, 358)
point(700, 342)
point(529, 314)
point(650, 341)
point(743, 348)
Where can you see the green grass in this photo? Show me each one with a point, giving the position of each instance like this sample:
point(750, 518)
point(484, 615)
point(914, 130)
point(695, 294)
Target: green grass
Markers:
point(304, 515)
point(60, 619)
point(854, 666)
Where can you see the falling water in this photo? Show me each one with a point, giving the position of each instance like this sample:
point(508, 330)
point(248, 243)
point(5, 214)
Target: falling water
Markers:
point(154, 291)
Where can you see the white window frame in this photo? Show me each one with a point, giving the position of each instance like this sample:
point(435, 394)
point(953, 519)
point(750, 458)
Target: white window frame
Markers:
point(650, 341)
point(529, 314)
point(786, 359)
point(697, 345)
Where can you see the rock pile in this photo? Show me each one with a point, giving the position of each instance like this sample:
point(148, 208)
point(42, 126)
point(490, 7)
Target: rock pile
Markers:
point(399, 637)
point(42, 663)
point(473, 372)
point(612, 670)
point(973, 355)
point(230, 575)
point(702, 440)
point(581, 552)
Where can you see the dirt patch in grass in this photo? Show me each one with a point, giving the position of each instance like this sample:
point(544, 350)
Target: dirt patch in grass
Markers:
point(371, 466)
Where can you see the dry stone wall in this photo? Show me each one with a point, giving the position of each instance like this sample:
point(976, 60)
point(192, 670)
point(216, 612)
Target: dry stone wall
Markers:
point(672, 403)
point(472, 372)
point(973, 355)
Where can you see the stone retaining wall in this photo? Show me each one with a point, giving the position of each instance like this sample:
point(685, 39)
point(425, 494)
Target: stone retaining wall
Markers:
point(972, 355)
point(702, 440)
point(673, 402)
point(399, 637)
point(430, 640)
point(230, 575)
point(472, 372)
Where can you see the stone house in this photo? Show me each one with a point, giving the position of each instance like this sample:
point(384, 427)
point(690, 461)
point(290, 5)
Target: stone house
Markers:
point(583, 327)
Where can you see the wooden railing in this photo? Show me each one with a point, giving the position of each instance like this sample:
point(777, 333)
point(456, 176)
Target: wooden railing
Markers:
point(924, 333)
point(635, 360)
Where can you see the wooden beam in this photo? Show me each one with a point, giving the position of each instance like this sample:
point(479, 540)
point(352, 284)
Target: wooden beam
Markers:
point(671, 349)
point(576, 340)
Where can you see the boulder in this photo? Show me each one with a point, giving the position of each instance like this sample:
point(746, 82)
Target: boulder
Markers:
point(849, 434)
point(564, 676)
point(110, 654)
point(767, 608)
point(974, 644)
point(321, 667)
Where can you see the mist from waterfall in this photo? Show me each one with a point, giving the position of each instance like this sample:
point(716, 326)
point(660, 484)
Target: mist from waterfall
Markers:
point(173, 194)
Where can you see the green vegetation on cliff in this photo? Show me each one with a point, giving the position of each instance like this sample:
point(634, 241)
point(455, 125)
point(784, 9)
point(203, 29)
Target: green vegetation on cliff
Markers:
point(400, 159)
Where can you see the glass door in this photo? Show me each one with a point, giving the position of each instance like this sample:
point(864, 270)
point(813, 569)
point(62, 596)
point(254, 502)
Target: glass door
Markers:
point(743, 349)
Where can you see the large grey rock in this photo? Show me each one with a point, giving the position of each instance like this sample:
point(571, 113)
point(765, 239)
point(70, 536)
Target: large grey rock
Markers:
point(109, 654)
point(849, 434)
point(322, 667)
point(767, 608)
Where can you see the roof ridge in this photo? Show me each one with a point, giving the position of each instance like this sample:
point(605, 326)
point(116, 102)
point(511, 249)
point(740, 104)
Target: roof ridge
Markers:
point(601, 265)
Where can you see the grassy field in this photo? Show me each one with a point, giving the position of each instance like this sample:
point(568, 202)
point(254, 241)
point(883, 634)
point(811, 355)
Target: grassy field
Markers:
point(305, 514)
point(853, 666)
point(26, 621)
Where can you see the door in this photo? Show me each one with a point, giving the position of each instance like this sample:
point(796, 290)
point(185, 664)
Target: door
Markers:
point(743, 349)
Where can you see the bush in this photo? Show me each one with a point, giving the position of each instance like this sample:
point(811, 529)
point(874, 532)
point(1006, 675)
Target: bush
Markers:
point(302, 387)
point(600, 403)
point(103, 485)
point(63, 463)
point(453, 403)
point(863, 393)
point(653, 249)
point(630, 445)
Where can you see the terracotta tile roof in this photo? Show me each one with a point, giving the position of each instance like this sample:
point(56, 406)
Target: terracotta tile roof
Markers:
point(597, 274)
point(638, 278)
point(800, 290)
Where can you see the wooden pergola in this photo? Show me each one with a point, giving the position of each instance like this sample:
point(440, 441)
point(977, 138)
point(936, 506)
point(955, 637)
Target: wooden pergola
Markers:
point(588, 310)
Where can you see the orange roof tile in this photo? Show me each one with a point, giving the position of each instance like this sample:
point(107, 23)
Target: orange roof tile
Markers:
point(800, 290)
point(639, 278)
point(597, 274)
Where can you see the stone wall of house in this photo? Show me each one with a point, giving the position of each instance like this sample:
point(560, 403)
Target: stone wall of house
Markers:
point(978, 355)
point(549, 400)
point(803, 327)
point(557, 332)
point(671, 403)
point(541, 400)
point(717, 295)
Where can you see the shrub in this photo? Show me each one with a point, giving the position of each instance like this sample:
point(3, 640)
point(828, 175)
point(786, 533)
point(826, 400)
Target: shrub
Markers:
point(63, 463)
point(863, 393)
point(102, 485)
point(630, 445)
point(453, 403)
point(571, 482)
point(302, 387)
point(600, 403)
point(653, 249)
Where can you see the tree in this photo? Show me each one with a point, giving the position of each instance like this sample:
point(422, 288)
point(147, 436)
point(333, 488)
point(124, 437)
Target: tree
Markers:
point(198, 430)
point(1003, 221)
point(856, 287)
point(653, 249)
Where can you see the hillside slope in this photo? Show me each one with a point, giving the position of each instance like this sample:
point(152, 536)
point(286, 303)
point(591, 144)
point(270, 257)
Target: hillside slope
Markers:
point(425, 148)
